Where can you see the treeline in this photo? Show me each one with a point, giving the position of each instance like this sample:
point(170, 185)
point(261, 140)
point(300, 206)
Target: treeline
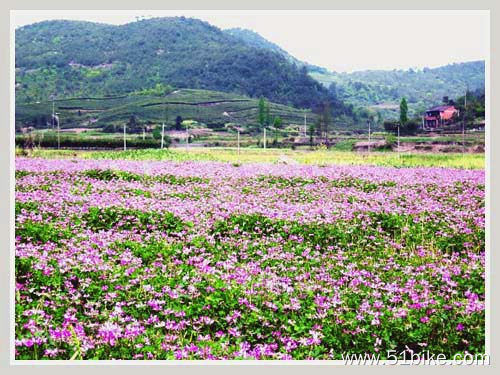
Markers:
point(404, 126)
point(30, 141)
point(420, 87)
point(135, 126)
point(475, 108)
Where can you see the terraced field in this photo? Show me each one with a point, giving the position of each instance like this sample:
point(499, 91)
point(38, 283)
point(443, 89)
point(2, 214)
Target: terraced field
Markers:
point(201, 105)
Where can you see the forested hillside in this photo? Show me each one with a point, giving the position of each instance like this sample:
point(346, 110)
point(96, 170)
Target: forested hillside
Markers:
point(70, 58)
point(420, 87)
point(256, 40)
point(378, 87)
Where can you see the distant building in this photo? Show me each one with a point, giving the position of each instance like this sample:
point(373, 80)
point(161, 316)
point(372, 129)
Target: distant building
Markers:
point(440, 115)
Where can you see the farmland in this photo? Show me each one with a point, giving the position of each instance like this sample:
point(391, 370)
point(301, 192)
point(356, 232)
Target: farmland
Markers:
point(204, 106)
point(241, 258)
point(320, 157)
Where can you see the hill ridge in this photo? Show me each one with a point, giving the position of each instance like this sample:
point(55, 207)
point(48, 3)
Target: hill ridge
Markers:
point(74, 58)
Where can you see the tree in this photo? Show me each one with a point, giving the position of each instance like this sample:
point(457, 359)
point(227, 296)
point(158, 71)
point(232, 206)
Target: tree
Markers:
point(165, 113)
point(326, 118)
point(391, 126)
point(262, 115)
point(133, 125)
point(311, 134)
point(317, 126)
point(178, 123)
point(409, 128)
point(475, 107)
point(403, 112)
point(277, 123)
point(333, 89)
point(109, 128)
point(390, 140)
point(157, 132)
point(267, 115)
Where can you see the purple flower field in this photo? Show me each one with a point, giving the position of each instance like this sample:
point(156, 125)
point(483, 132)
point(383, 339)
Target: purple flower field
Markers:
point(204, 260)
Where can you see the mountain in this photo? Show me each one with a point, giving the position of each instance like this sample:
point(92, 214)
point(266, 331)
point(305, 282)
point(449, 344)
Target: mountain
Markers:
point(256, 40)
point(383, 89)
point(421, 88)
point(74, 58)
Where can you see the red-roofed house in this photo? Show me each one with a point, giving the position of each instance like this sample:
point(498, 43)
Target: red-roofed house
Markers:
point(440, 115)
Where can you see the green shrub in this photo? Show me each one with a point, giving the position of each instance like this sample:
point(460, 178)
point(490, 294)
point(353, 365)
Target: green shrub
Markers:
point(390, 139)
point(98, 218)
point(31, 231)
point(109, 174)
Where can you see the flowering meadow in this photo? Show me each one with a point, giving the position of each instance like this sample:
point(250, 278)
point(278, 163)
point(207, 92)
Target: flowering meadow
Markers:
point(121, 259)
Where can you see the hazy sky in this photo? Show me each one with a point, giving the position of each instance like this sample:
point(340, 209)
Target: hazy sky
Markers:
point(337, 40)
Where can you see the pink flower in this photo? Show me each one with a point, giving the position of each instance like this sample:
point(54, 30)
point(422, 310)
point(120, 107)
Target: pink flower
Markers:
point(110, 333)
point(133, 330)
point(60, 334)
point(51, 352)
point(234, 332)
point(219, 334)
point(181, 354)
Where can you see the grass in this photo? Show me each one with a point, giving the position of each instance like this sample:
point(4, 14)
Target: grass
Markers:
point(255, 155)
point(345, 145)
point(90, 134)
point(469, 138)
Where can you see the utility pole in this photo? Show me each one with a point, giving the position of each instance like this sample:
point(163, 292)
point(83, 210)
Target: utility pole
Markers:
point(399, 156)
point(187, 135)
point(463, 122)
point(162, 133)
point(124, 137)
point(369, 137)
point(53, 114)
point(58, 132)
point(165, 114)
point(264, 138)
point(238, 141)
point(143, 133)
point(305, 123)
